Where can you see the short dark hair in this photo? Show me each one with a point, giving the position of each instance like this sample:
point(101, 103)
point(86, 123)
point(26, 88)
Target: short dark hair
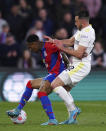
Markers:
point(83, 14)
point(32, 38)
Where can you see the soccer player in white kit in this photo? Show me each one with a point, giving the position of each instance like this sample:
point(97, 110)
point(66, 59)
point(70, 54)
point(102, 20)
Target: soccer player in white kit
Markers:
point(83, 42)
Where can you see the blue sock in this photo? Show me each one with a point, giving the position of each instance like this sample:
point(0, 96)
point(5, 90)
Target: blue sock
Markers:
point(26, 95)
point(46, 104)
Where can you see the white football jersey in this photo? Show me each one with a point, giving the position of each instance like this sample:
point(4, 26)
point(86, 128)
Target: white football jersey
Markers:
point(86, 38)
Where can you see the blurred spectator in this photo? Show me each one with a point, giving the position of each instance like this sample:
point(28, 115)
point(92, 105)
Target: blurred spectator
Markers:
point(39, 29)
point(103, 22)
point(93, 7)
point(36, 30)
point(16, 22)
point(2, 5)
point(47, 22)
point(9, 52)
point(50, 17)
point(27, 61)
point(31, 31)
point(4, 33)
point(25, 9)
point(37, 6)
point(68, 23)
point(51, 7)
point(80, 5)
point(5, 5)
point(64, 6)
point(61, 34)
point(26, 12)
point(2, 22)
point(98, 56)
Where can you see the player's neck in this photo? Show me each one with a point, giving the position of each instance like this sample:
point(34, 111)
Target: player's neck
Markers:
point(85, 25)
point(41, 45)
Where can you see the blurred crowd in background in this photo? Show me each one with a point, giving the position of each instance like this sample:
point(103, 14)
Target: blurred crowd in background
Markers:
point(20, 18)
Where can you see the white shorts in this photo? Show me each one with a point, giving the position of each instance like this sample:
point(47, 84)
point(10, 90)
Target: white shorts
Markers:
point(75, 73)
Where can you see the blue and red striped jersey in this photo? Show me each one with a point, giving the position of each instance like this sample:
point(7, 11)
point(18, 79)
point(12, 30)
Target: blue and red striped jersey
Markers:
point(52, 58)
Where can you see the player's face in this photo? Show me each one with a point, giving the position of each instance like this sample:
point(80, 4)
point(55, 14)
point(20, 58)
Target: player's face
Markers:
point(33, 46)
point(78, 22)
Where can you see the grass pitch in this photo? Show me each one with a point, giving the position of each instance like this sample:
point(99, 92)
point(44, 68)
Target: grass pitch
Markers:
point(92, 118)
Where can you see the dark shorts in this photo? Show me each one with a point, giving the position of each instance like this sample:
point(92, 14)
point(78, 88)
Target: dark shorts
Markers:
point(50, 77)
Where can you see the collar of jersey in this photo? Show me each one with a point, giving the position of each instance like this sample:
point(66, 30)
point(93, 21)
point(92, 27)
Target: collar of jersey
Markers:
point(43, 45)
point(87, 27)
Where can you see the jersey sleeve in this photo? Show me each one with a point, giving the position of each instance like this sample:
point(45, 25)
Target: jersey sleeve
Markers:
point(52, 47)
point(55, 48)
point(77, 35)
point(84, 39)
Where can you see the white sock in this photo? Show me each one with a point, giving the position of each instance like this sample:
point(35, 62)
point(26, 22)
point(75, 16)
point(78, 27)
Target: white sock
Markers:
point(66, 97)
point(72, 104)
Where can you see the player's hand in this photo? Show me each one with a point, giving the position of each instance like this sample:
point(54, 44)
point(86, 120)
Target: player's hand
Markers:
point(85, 55)
point(60, 46)
point(57, 41)
point(49, 39)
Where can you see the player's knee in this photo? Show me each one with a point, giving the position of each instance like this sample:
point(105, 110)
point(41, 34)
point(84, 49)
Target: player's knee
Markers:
point(42, 89)
point(53, 84)
point(46, 90)
point(57, 82)
point(29, 85)
point(33, 83)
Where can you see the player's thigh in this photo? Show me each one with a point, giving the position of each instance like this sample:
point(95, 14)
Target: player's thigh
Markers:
point(62, 79)
point(46, 87)
point(57, 82)
point(36, 83)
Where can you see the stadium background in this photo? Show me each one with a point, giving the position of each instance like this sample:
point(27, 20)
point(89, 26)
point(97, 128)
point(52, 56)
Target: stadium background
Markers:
point(19, 18)
point(92, 88)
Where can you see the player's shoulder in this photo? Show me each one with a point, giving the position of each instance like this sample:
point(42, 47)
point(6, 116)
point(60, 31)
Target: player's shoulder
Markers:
point(87, 30)
point(48, 44)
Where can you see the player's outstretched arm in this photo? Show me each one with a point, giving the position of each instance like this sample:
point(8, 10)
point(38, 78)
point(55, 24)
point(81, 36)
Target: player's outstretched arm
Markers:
point(66, 42)
point(79, 53)
point(48, 38)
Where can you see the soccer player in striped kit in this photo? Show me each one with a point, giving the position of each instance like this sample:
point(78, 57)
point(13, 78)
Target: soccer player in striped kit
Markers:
point(54, 63)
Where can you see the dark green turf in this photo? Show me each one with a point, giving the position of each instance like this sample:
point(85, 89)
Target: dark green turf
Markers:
point(92, 118)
